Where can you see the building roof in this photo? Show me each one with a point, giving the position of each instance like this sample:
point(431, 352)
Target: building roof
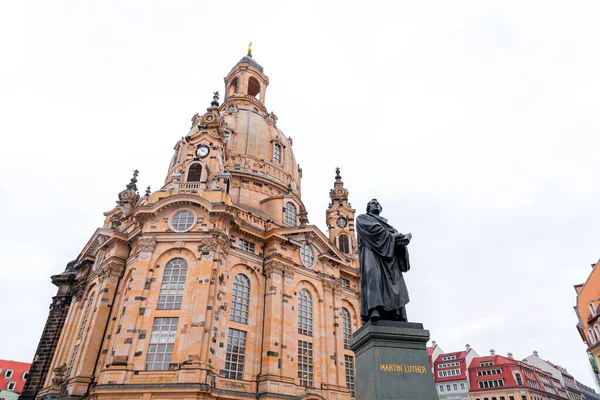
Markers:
point(250, 60)
point(19, 369)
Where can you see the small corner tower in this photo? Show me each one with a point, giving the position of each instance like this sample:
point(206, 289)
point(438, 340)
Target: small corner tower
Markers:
point(340, 217)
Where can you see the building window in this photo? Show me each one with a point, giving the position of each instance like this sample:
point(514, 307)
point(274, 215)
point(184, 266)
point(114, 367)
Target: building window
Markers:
point(8, 374)
point(446, 358)
point(592, 307)
point(240, 299)
point(441, 388)
point(511, 397)
point(305, 313)
point(246, 246)
point(253, 87)
point(345, 282)
point(346, 327)
point(72, 361)
point(232, 90)
point(25, 376)
point(183, 220)
point(11, 386)
point(236, 353)
point(160, 349)
point(226, 136)
point(277, 153)
point(448, 388)
point(486, 364)
point(307, 255)
point(86, 315)
point(518, 379)
point(194, 173)
point(289, 214)
point(455, 387)
point(305, 363)
point(591, 337)
point(173, 284)
point(349, 367)
point(344, 244)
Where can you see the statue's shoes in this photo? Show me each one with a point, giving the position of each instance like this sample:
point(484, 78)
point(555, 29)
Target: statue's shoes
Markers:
point(375, 315)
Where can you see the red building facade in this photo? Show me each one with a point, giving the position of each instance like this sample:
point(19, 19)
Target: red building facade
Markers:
point(13, 375)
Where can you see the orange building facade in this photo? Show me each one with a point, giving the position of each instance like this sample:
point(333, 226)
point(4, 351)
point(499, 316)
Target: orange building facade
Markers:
point(216, 285)
point(587, 308)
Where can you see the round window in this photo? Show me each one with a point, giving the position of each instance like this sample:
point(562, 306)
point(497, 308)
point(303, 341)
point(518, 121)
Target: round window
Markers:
point(307, 255)
point(183, 220)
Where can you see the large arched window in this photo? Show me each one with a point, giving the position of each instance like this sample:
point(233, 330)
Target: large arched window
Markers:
point(289, 214)
point(86, 315)
point(240, 299)
point(194, 173)
point(346, 327)
point(305, 313)
point(277, 153)
point(173, 283)
point(253, 87)
point(344, 244)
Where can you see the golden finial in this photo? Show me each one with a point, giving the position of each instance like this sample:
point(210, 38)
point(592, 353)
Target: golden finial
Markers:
point(250, 50)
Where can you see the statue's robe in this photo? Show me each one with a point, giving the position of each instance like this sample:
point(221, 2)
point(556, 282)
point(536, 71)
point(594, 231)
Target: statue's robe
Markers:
point(382, 260)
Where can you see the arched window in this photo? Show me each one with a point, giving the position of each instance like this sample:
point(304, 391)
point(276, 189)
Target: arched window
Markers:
point(253, 87)
point(277, 153)
point(194, 173)
point(591, 337)
point(307, 255)
point(289, 214)
point(240, 299)
point(86, 315)
point(346, 327)
point(305, 313)
point(344, 244)
point(232, 88)
point(173, 283)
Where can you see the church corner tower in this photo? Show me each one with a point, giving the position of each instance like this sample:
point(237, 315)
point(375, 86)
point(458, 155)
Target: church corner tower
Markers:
point(215, 285)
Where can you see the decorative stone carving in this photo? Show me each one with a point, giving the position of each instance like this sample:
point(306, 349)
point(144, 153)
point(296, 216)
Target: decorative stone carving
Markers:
point(224, 242)
point(146, 244)
point(78, 291)
point(332, 286)
point(179, 244)
point(288, 271)
point(274, 267)
point(59, 376)
point(207, 245)
point(111, 271)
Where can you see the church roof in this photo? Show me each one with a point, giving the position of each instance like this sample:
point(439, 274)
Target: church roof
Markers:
point(250, 60)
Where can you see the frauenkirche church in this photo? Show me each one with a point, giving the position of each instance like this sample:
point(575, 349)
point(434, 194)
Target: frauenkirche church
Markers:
point(215, 286)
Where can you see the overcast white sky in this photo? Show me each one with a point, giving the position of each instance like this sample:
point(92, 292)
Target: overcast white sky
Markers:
point(474, 123)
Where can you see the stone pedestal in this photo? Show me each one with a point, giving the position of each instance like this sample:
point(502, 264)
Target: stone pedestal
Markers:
point(392, 362)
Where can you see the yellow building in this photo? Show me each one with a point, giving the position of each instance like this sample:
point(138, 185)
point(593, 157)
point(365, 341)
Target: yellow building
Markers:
point(214, 286)
point(587, 308)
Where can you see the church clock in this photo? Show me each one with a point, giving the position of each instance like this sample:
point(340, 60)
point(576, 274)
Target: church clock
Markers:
point(202, 151)
point(342, 222)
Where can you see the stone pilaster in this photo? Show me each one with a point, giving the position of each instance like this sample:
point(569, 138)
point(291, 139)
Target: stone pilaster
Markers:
point(272, 334)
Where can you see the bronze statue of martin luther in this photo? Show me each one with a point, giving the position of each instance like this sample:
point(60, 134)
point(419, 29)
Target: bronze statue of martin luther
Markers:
point(382, 257)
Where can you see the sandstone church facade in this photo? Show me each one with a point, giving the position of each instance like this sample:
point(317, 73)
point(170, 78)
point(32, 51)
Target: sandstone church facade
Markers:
point(215, 286)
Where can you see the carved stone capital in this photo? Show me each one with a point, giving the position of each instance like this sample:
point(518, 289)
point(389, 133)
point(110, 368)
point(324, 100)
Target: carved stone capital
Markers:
point(224, 242)
point(146, 244)
point(274, 267)
point(288, 271)
point(207, 245)
point(59, 376)
point(332, 286)
point(111, 271)
point(78, 291)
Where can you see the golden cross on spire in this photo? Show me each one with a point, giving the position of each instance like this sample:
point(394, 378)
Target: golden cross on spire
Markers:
point(250, 49)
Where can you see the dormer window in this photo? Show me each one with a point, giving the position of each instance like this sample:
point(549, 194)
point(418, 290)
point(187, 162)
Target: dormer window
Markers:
point(290, 214)
point(8, 374)
point(277, 153)
point(592, 307)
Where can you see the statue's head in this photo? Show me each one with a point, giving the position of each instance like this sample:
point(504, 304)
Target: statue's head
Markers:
point(373, 207)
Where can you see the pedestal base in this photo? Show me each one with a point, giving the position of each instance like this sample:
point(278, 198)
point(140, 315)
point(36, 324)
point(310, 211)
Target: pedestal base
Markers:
point(392, 362)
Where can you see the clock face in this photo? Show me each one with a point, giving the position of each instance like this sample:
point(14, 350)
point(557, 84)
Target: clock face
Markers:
point(202, 151)
point(341, 222)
